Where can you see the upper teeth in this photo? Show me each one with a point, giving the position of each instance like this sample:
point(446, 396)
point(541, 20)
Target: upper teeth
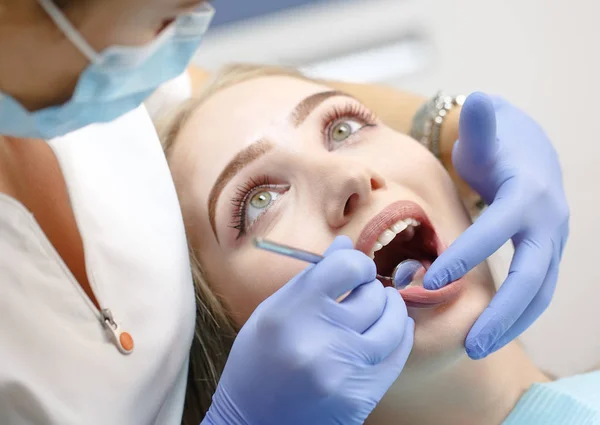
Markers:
point(390, 233)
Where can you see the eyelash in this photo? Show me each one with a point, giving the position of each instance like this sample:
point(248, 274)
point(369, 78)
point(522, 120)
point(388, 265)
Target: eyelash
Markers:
point(243, 193)
point(348, 111)
point(329, 119)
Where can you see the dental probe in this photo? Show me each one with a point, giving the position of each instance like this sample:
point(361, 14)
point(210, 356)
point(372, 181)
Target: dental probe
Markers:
point(402, 275)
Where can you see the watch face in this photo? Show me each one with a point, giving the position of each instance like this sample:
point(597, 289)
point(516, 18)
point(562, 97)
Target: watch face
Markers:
point(421, 124)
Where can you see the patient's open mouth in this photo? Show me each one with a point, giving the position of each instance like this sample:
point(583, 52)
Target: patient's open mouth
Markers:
point(403, 231)
point(403, 240)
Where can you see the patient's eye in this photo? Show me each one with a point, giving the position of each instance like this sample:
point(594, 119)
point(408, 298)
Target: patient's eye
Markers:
point(344, 129)
point(261, 200)
point(253, 200)
point(258, 204)
point(340, 124)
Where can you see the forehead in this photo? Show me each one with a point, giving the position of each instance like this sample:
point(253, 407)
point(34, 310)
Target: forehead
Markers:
point(239, 115)
point(249, 110)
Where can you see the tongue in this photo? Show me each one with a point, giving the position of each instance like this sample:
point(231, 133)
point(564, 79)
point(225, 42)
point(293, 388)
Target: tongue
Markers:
point(405, 272)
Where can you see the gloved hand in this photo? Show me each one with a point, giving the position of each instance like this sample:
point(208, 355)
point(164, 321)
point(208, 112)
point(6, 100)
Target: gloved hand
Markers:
point(303, 358)
point(507, 158)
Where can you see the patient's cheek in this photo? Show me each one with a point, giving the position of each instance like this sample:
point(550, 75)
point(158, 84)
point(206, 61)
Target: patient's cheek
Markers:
point(245, 287)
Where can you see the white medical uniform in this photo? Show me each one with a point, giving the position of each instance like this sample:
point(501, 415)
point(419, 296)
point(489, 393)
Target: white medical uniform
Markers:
point(58, 364)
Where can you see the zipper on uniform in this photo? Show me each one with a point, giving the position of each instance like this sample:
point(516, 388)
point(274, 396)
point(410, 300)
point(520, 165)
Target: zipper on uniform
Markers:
point(122, 340)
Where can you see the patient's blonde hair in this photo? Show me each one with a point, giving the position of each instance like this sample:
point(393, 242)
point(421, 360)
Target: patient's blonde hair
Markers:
point(214, 331)
point(170, 126)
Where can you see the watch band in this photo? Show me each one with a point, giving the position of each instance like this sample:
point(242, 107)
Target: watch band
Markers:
point(426, 129)
point(427, 122)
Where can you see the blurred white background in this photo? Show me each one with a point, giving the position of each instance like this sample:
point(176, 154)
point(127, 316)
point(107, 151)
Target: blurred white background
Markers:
point(543, 55)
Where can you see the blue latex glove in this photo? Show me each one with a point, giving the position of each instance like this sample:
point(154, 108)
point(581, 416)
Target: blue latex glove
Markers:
point(303, 358)
point(507, 158)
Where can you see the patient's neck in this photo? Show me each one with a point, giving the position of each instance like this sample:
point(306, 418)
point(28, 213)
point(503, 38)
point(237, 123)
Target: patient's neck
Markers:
point(468, 393)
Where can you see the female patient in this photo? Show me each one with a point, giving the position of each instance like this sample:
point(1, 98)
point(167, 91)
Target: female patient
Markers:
point(296, 162)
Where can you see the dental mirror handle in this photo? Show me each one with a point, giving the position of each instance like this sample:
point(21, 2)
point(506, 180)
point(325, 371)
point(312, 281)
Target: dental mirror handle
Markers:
point(401, 276)
point(288, 251)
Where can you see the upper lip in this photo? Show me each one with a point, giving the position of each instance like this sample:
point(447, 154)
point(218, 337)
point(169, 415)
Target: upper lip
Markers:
point(391, 214)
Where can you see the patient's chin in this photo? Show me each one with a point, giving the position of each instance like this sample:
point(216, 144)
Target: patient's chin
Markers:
point(440, 332)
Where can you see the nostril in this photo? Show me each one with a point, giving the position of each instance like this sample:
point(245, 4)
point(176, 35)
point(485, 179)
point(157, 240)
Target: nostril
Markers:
point(350, 204)
point(376, 184)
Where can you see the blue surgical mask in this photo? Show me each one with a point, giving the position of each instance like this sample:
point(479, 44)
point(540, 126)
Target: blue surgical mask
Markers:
point(117, 80)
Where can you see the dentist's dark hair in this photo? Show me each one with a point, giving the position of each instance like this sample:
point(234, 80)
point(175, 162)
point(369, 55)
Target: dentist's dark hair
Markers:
point(65, 4)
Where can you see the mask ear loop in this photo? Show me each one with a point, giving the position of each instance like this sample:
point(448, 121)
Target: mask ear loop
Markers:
point(69, 31)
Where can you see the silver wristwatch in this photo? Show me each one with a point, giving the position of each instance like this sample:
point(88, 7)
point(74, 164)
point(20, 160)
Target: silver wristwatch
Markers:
point(427, 125)
point(427, 122)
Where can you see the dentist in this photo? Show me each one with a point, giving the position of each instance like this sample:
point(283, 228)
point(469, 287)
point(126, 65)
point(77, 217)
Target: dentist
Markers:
point(96, 300)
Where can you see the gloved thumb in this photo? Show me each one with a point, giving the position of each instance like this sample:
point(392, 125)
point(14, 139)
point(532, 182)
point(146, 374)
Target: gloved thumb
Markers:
point(340, 242)
point(477, 143)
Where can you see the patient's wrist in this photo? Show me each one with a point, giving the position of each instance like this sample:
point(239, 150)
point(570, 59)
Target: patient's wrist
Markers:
point(449, 135)
point(436, 126)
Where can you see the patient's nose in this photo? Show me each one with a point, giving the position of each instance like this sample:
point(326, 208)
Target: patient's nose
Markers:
point(349, 188)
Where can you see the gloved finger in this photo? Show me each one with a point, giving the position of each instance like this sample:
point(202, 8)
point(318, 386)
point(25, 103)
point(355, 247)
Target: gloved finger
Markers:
point(563, 239)
point(526, 275)
point(340, 242)
point(493, 228)
point(537, 306)
point(387, 333)
point(391, 366)
point(477, 142)
point(397, 359)
point(363, 307)
point(341, 271)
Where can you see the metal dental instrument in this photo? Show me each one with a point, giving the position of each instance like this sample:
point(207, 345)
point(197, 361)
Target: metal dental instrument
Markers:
point(402, 275)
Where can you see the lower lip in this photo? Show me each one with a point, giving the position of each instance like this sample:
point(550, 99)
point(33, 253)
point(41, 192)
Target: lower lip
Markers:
point(419, 297)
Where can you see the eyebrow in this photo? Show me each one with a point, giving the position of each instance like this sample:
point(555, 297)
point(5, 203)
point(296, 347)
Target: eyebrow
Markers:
point(257, 149)
point(241, 160)
point(308, 105)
